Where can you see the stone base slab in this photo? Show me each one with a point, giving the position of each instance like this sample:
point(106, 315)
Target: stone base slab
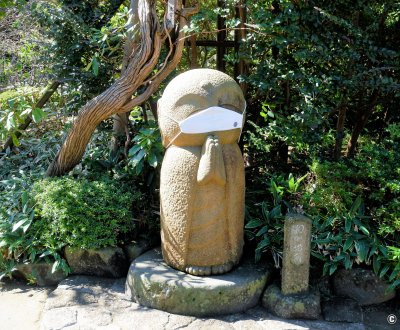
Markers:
point(297, 306)
point(152, 283)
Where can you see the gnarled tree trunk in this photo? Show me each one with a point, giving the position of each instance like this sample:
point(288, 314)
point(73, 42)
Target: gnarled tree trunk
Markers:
point(141, 62)
point(121, 120)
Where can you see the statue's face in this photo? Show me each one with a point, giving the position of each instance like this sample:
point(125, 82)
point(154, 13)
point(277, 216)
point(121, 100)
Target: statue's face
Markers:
point(200, 92)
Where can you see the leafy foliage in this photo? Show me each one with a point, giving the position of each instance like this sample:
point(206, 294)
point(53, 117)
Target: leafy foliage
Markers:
point(307, 62)
point(19, 241)
point(394, 256)
point(310, 63)
point(86, 42)
point(340, 238)
point(147, 148)
point(82, 213)
point(24, 57)
point(348, 238)
point(267, 230)
point(373, 174)
point(15, 107)
point(4, 4)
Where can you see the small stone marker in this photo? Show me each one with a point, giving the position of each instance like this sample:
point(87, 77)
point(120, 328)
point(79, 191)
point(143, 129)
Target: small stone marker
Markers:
point(296, 254)
point(294, 299)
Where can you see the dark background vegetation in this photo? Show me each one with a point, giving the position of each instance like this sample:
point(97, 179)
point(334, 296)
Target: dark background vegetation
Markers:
point(321, 138)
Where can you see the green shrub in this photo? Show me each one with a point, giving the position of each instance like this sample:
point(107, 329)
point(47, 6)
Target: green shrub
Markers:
point(346, 238)
point(355, 205)
point(374, 175)
point(82, 213)
point(265, 220)
point(342, 235)
point(332, 188)
point(349, 238)
point(28, 237)
point(380, 163)
point(15, 107)
point(20, 242)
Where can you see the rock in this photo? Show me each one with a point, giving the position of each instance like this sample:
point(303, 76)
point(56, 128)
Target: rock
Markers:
point(41, 273)
point(361, 285)
point(323, 284)
point(339, 309)
point(135, 249)
point(382, 316)
point(107, 262)
point(152, 283)
point(300, 306)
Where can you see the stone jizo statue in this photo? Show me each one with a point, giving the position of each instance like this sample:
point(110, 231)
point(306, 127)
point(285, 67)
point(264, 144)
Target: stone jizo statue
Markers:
point(201, 115)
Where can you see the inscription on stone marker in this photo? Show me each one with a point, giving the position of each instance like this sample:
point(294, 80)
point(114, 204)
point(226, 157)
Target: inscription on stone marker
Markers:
point(296, 254)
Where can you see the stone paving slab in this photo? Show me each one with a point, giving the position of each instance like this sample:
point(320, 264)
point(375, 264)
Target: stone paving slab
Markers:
point(21, 305)
point(86, 303)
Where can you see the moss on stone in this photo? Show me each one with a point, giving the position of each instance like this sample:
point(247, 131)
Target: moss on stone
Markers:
point(306, 305)
point(299, 307)
point(153, 284)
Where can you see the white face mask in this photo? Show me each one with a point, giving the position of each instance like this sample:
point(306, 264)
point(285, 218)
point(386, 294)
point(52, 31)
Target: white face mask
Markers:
point(212, 119)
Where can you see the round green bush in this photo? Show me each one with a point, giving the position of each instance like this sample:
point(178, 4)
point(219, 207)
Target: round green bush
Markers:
point(83, 213)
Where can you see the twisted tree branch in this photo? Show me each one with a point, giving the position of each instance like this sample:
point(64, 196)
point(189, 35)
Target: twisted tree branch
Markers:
point(118, 98)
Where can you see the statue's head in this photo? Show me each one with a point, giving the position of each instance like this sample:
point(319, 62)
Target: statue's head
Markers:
point(197, 103)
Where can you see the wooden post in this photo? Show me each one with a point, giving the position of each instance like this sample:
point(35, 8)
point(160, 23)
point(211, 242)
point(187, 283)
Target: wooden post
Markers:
point(221, 37)
point(193, 52)
point(240, 67)
point(221, 44)
point(171, 14)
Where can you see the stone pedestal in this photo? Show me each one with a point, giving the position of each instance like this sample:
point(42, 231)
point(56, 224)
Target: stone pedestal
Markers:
point(152, 283)
point(295, 306)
